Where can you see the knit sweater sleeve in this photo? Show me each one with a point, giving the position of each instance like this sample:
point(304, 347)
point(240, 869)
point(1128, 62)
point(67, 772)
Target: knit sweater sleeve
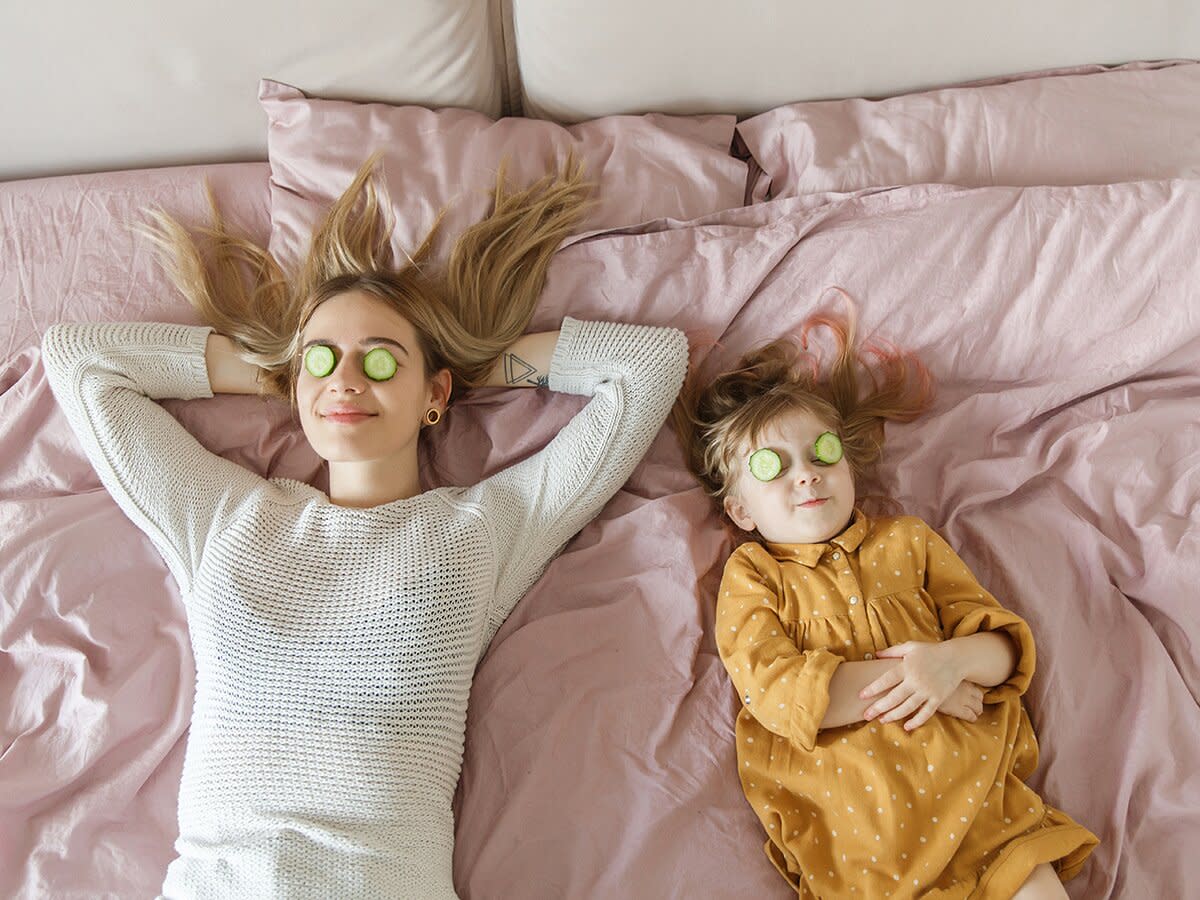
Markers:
point(106, 377)
point(633, 374)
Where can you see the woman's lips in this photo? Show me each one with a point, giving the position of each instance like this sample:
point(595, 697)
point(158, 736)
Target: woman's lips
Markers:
point(813, 504)
point(348, 418)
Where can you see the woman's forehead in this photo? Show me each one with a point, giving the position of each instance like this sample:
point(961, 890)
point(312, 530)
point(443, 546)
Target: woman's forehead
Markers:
point(355, 315)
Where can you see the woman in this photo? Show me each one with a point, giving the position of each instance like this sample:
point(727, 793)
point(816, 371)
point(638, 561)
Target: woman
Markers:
point(335, 636)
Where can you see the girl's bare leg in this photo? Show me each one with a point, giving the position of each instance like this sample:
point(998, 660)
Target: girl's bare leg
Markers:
point(1042, 884)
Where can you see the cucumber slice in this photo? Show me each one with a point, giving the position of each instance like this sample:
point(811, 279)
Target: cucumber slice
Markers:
point(318, 360)
point(828, 448)
point(379, 364)
point(765, 465)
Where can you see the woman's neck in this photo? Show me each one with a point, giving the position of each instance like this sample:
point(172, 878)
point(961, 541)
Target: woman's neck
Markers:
point(363, 485)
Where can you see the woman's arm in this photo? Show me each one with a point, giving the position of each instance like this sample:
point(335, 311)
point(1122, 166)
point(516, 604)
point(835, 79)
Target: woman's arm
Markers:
point(106, 378)
point(632, 374)
point(227, 372)
point(526, 363)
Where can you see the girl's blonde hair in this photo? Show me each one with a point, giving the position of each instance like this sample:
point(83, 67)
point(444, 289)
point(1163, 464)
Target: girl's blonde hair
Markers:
point(714, 421)
point(465, 314)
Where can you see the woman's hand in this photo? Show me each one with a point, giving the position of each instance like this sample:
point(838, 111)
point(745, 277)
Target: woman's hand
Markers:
point(928, 674)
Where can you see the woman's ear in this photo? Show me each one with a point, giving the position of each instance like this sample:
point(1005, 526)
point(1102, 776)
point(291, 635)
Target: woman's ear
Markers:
point(736, 510)
point(440, 386)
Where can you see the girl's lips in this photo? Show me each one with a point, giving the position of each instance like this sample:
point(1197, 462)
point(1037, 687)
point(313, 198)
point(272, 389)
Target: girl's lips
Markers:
point(812, 504)
point(348, 418)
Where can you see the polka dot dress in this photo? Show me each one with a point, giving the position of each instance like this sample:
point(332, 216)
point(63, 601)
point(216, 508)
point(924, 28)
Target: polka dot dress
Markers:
point(869, 809)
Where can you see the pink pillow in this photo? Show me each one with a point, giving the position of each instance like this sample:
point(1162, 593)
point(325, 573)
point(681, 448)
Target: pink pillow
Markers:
point(1082, 125)
point(647, 167)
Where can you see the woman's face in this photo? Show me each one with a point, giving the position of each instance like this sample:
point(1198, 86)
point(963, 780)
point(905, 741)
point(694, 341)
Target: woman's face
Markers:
point(352, 324)
point(777, 508)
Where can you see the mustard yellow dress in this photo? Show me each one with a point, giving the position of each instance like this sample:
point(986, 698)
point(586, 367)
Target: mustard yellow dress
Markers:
point(869, 809)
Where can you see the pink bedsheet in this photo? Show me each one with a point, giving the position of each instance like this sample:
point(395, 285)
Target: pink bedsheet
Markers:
point(1084, 124)
point(1060, 459)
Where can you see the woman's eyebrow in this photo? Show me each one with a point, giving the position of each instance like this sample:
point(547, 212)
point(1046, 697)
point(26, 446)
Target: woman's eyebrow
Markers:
point(362, 343)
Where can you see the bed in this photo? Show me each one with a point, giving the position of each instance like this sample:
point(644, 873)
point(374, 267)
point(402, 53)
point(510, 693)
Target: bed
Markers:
point(1022, 217)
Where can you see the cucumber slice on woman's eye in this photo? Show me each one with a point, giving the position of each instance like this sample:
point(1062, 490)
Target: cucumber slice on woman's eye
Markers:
point(765, 465)
point(379, 364)
point(318, 360)
point(828, 448)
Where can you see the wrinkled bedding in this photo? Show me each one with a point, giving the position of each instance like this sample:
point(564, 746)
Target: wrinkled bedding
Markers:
point(1060, 459)
point(1076, 125)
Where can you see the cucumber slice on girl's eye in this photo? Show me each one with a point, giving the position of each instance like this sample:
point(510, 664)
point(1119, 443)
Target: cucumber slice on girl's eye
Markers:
point(318, 360)
point(379, 364)
point(765, 465)
point(828, 448)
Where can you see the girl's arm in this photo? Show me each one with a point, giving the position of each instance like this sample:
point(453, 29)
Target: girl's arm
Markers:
point(787, 689)
point(792, 692)
point(985, 644)
point(974, 622)
point(845, 706)
point(526, 363)
point(987, 658)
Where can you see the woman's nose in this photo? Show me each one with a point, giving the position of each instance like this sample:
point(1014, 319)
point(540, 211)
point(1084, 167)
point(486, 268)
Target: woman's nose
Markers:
point(346, 377)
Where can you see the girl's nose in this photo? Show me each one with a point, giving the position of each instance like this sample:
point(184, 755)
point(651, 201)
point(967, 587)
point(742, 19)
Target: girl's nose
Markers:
point(806, 476)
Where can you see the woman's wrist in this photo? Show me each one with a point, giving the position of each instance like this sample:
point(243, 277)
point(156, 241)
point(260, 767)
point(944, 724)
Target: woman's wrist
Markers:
point(228, 373)
point(526, 362)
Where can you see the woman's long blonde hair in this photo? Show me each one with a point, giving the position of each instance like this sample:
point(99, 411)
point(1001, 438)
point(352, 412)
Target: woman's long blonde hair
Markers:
point(465, 314)
point(714, 420)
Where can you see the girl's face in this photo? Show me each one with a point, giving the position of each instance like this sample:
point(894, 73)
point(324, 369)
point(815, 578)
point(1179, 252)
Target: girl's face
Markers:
point(353, 324)
point(780, 509)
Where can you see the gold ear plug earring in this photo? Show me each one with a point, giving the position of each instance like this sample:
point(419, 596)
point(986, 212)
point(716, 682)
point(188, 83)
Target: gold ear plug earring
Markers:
point(432, 416)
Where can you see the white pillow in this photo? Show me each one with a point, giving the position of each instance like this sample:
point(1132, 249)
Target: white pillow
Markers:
point(580, 61)
point(92, 86)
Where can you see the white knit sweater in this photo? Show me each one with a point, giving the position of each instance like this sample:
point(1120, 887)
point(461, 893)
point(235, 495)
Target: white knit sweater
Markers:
point(335, 646)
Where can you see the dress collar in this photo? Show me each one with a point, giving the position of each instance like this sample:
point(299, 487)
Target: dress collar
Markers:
point(809, 554)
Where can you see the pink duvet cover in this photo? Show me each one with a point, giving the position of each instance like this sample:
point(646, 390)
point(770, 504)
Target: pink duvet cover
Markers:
point(1060, 459)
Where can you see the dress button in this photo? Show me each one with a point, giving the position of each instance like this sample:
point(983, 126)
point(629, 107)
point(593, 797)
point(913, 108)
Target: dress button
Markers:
point(853, 599)
point(837, 556)
point(869, 655)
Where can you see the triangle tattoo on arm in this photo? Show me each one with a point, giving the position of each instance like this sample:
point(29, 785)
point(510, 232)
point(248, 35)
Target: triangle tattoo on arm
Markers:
point(517, 370)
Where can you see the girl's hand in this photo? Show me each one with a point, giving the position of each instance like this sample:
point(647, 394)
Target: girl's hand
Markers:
point(965, 703)
point(928, 673)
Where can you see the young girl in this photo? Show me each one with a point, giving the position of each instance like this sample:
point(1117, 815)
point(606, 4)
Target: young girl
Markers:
point(335, 637)
point(861, 648)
